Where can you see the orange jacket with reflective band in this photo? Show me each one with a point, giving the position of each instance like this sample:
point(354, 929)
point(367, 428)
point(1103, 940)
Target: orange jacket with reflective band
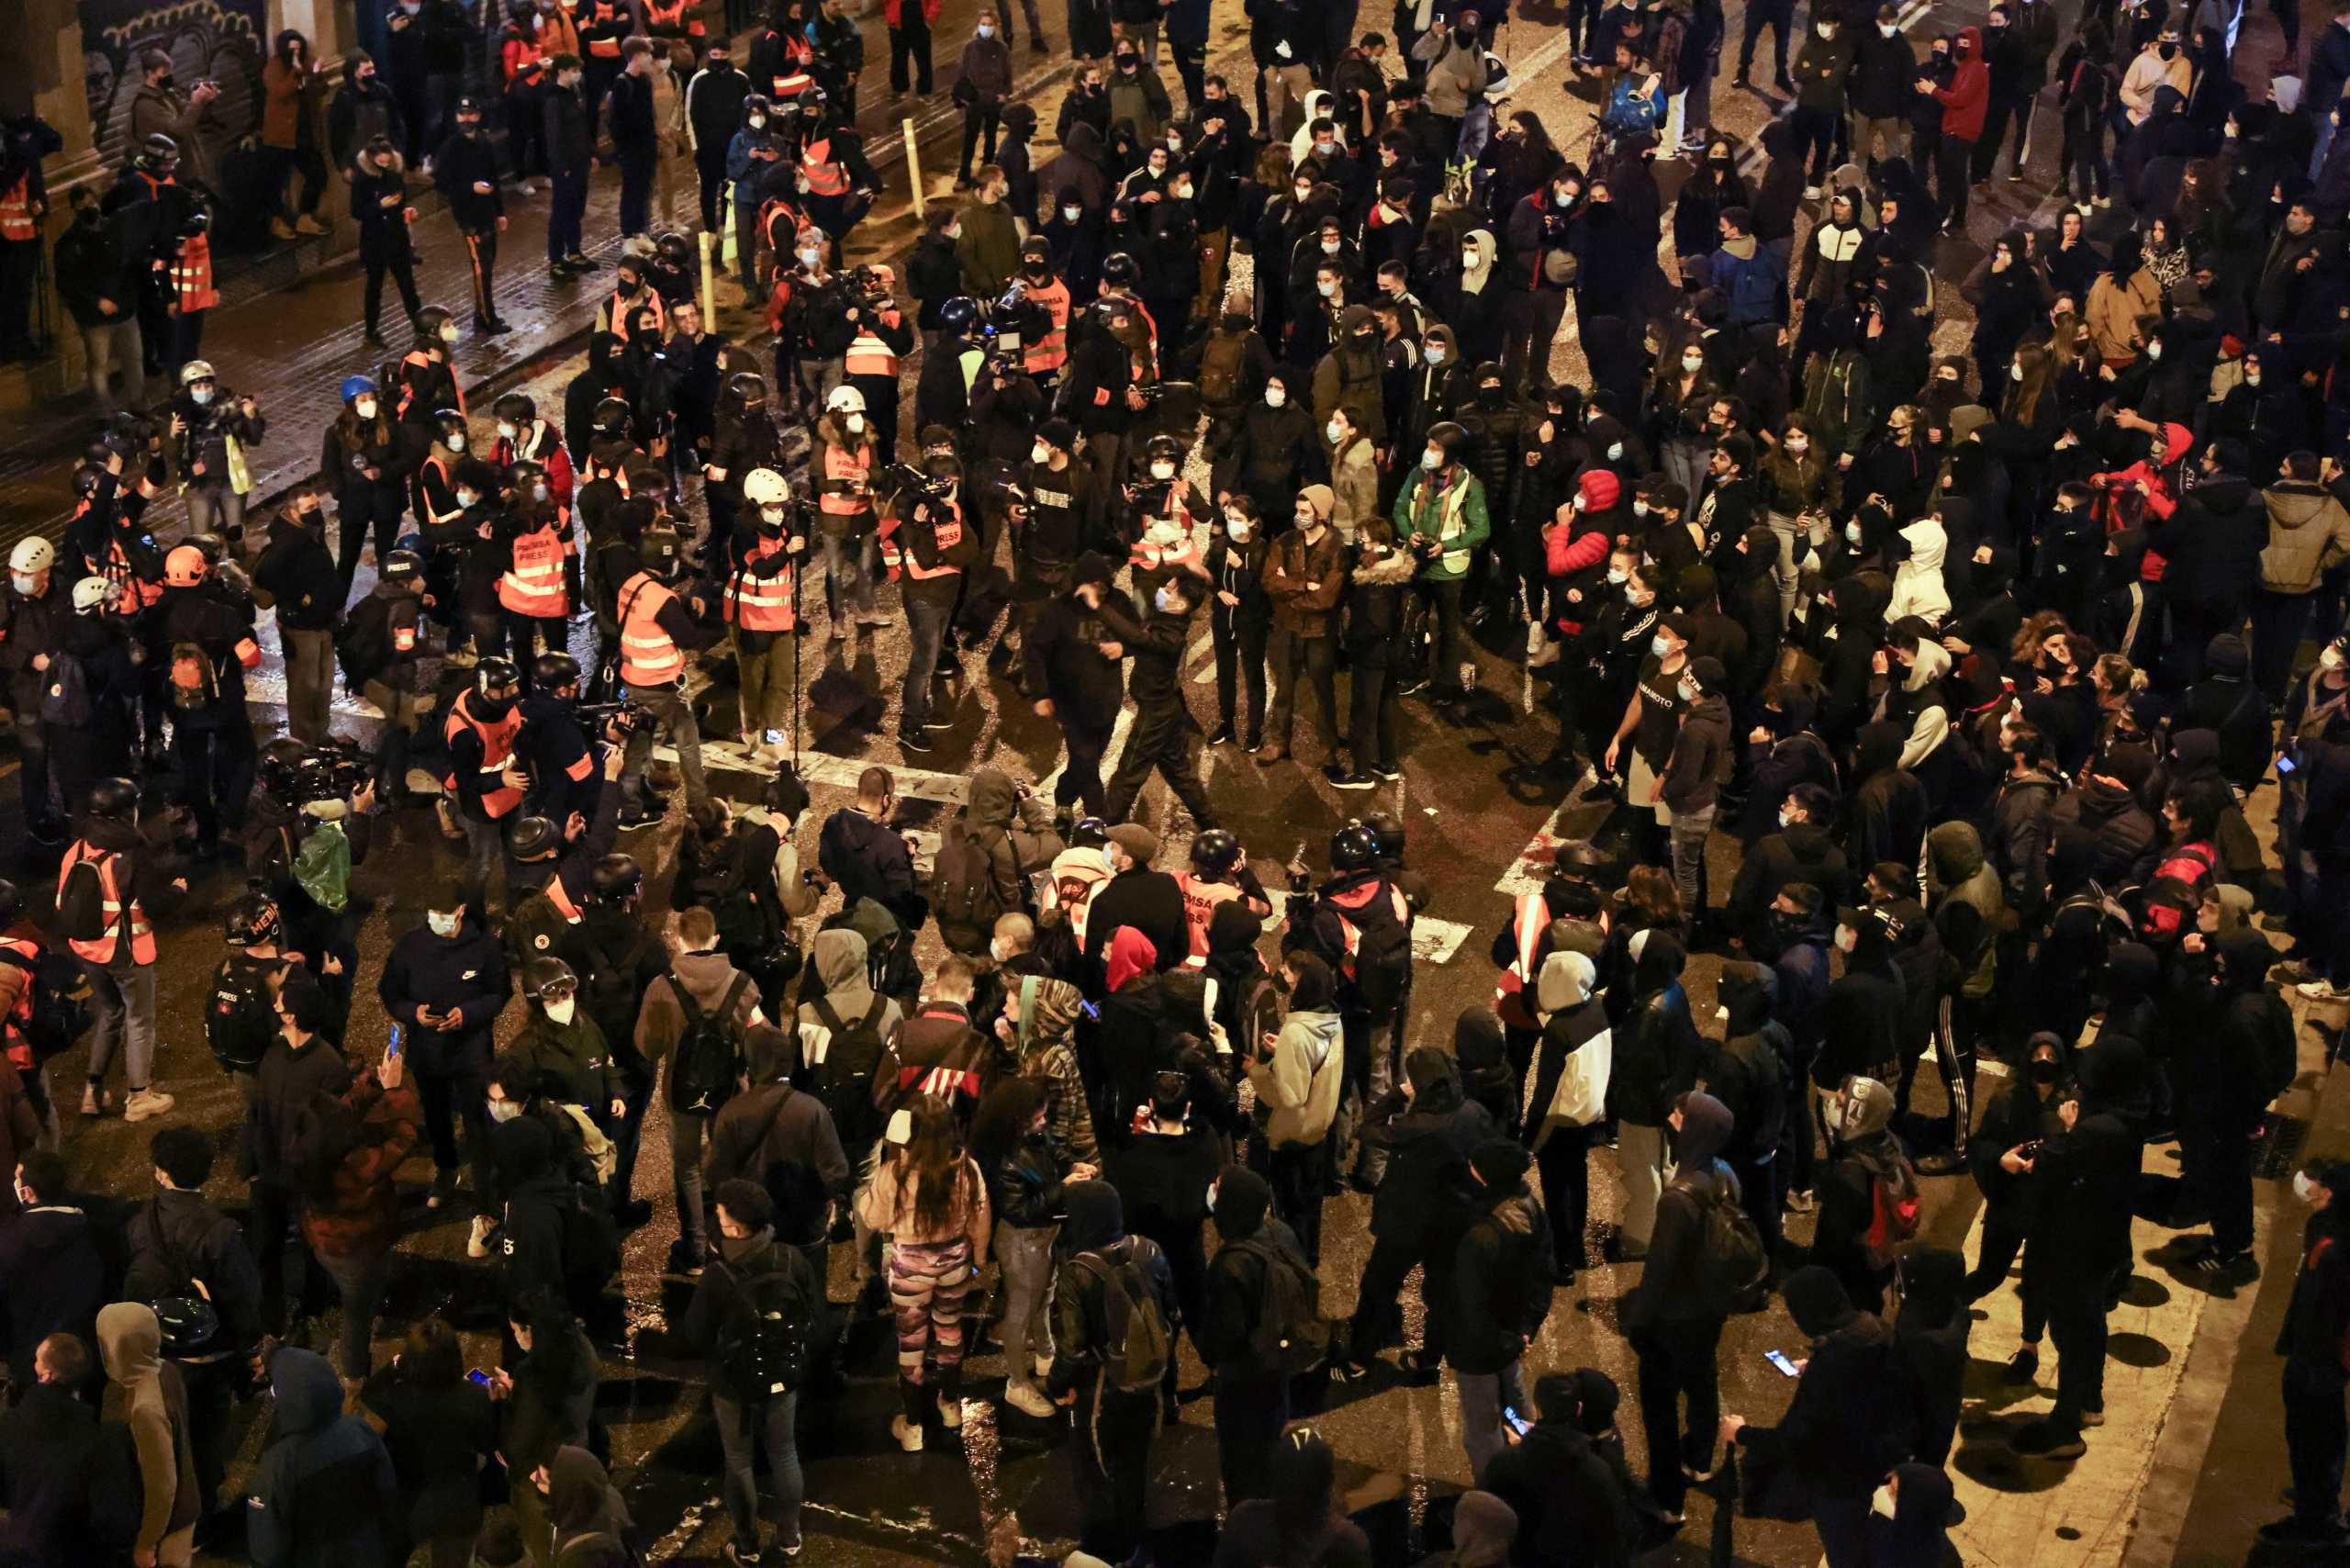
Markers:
point(1201, 901)
point(1050, 351)
point(439, 464)
point(758, 595)
point(948, 532)
point(868, 356)
point(680, 17)
point(498, 796)
point(121, 913)
point(798, 55)
point(21, 1049)
point(191, 276)
point(648, 654)
point(825, 176)
point(840, 466)
point(16, 220)
point(1513, 992)
point(620, 307)
point(129, 586)
point(534, 584)
point(518, 55)
point(603, 12)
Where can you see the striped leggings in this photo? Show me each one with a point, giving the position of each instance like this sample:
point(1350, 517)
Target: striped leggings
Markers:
point(927, 1284)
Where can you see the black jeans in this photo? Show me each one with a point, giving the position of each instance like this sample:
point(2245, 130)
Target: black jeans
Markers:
point(1160, 739)
point(1371, 725)
point(1443, 597)
point(392, 255)
point(449, 1097)
point(1779, 16)
point(359, 509)
point(2077, 1323)
point(1566, 1162)
point(2316, 1432)
point(1379, 1308)
point(1677, 1364)
point(1239, 665)
point(1314, 660)
point(1953, 160)
point(566, 210)
point(283, 163)
point(1081, 776)
point(980, 120)
point(1109, 1449)
point(1250, 1412)
point(216, 768)
point(910, 40)
point(1297, 1173)
point(281, 1255)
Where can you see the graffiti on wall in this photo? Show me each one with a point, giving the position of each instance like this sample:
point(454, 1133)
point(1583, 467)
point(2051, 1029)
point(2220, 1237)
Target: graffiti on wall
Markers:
point(218, 41)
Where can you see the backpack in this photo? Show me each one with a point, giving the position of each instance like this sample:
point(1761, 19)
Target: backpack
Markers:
point(1291, 1335)
point(82, 900)
point(1140, 1343)
point(890, 969)
point(360, 646)
point(65, 693)
point(707, 1059)
point(603, 1153)
point(196, 681)
point(963, 896)
point(241, 1019)
point(1893, 1220)
point(1734, 1268)
point(842, 1063)
point(189, 1320)
point(763, 1344)
point(801, 1205)
point(2278, 1062)
point(1221, 359)
point(735, 888)
point(60, 1011)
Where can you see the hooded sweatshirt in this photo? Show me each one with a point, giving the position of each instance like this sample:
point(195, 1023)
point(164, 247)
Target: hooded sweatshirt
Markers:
point(1672, 1284)
point(1968, 96)
point(1297, 1086)
point(2309, 532)
point(1575, 1020)
point(153, 1404)
point(581, 1500)
point(323, 1495)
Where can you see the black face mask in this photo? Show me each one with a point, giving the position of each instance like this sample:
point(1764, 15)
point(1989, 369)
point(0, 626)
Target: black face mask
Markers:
point(1489, 397)
point(491, 708)
point(2047, 1070)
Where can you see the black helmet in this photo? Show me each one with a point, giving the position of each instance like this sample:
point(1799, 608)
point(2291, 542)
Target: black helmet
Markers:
point(754, 104)
point(1215, 853)
point(516, 408)
point(402, 566)
point(1165, 446)
point(448, 422)
point(1088, 833)
point(252, 918)
point(111, 799)
point(1037, 248)
point(659, 551)
point(1353, 849)
point(1121, 271)
point(1579, 858)
point(533, 837)
point(749, 385)
point(541, 976)
point(85, 479)
point(158, 153)
point(813, 102)
point(674, 249)
point(615, 878)
point(494, 671)
point(1388, 829)
point(959, 315)
point(281, 767)
point(469, 105)
point(554, 670)
point(429, 322)
point(610, 418)
point(1448, 436)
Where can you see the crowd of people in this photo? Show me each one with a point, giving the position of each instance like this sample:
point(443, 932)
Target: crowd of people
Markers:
point(1974, 666)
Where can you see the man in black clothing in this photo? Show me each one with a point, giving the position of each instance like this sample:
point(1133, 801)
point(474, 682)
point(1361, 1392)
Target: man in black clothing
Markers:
point(298, 575)
point(1569, 1507)
point(867, 859)
point(636, 132)
point(1251, 1399)
point(1429, 1131)
point(713, 114)
point(444, 983)
point(1150, 900)
point(465, 169)
point(302, 1065)
point(1670, 1320)
point(53, 1279)
point(1071, 682)
point(2314, 1340)
point(571, 148)
point(1111, 1443)
point(70, 1497)
point(1163, 729)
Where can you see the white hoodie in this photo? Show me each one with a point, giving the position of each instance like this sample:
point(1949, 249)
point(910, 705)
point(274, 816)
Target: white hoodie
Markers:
point(1917, 581)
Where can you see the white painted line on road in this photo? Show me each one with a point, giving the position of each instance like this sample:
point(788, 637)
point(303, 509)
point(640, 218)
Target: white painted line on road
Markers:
point(1530, 870)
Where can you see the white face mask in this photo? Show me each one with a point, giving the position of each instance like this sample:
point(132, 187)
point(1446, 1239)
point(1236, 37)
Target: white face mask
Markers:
point(1330, 247)
point(855, 424)
point(504, 1110)
point(1688, 690)
point(1693, 362)
point(538, 492)
point(2252, 378)
point(201, 395)
point(363, 406)
point(25, 585)
point(1435, 354)
point(560, 1013)
point(1660, 645)
point(1888, 29)
point(758, 122)
point(1276, 395)
point(449, 334)
point(1040, 452)
point(1071, 214)
point(1302, 192)
point(1165, 600)
point(1786, 816)
point(1432, 459)
point(1798, 445)
point(467, 498)
point(1162, 470)
point(813, 256)
point(444, 925)
point(1617, 577)
point(986, 31)
point(1846, 940)
point(1852, 533)
point(1324, 288)
point(1881, 1503)
point(506, 431)
point(1471, 260)
point(455, 442)
point(1639, 509)
point(1183, 192)
point(2153, 350)
point(1236, 527)
point(1616, 452)
point(1335, 430)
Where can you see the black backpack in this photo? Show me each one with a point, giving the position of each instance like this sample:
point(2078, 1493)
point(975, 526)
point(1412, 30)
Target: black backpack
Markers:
point(763, 1344)
point(1140, 1343)
point(1734, 1268)
point(963, 898)
point(240, 1020)
point(195, 679)
point(844, 1080)
point(363, 644)
point(801, 1205)
point(82, 896)
point(65, 692)
point(734, 887)
point(709, 1059)
point(1291, 1335)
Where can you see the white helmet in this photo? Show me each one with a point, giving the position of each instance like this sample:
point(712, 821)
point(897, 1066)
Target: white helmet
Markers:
point(197, 370)
point(765, 487)
point(846, 400)
point(91, 592)
point(32, 555)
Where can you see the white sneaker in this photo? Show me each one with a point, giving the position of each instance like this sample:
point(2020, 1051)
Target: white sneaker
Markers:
point(1044, 1365)
point(477, 1243)
point(146, 1103)
point(1028, 1400)
point(908, 1435)
point(2316, 990)
point(950, 1413)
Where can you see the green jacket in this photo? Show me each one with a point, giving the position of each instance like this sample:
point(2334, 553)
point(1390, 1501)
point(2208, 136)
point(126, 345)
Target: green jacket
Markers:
point(1455, 516)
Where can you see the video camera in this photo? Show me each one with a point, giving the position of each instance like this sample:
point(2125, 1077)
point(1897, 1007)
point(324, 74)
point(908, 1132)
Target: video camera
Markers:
point(333, 769)
point(1004, 323)
point(617, 719)
point(128, 436)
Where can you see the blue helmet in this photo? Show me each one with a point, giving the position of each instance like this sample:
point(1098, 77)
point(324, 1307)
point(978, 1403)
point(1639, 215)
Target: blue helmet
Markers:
point(357, 386)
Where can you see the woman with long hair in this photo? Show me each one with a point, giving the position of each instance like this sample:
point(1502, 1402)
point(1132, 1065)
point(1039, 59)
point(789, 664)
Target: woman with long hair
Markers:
point(1302, 1524)
point(1025, 1167)
point(929, 1203)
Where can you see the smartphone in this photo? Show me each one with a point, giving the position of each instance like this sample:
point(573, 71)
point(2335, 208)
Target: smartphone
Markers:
point(2284, 764)
point(399, 1042)
point(1518, 1423)
point(1092, 1010)
point(1779, 1360)
point(481, 1378)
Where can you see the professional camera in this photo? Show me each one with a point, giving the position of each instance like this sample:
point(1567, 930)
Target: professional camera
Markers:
point(1006, 323)
point(128, 436)
point(617, 721)
point(294, 775)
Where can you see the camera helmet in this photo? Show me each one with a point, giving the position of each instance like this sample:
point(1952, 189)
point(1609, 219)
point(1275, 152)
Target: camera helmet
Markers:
point(157, 155)
point(86, 477)
point(31, 555)
point(1088, 833)
point(1121, 271)
point(542, 977)
point(610, 419)
point(403, 565)
point(447, 422)
point(1215, 853)
point(112, 799)
point(184, 567)
point(468, 105)
point(210, 546)
point(749, 386)
point(1353, 849)
point(533, 837)
point(1579, 857)
point(845, 399)
point(516, 408)
point(553, 670)
point(494, 673)
point(616, 878)
point(1164, 447)
point(813, 102)
point(674, 249)
point(1388, 829)
point(429, 322)
point(251, 919)
point(357, 386)
point(959, 315)
point(659, 553)
point(766, 487)
point(197, 370)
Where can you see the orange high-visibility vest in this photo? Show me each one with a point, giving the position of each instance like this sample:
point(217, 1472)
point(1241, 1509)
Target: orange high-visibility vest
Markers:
point(648, 654)
point(1513, 991)
point(868, 356)
point(824, 176)
point(1201, 901)
point(761, 601)
point(16, 220)
point(534, 584)
point(948, 532)
point(560, 896)
point(608, 46)
point(798, 54)
point(678, 17)
point(841, 463)
point(191, 276)
point(497, 751)
point(1050, 351)
point(119, 913)
point(439, 464)
point(620, 307)
point(129, 586)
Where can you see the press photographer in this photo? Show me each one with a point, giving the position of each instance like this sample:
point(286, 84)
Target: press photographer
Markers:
point(211, 429)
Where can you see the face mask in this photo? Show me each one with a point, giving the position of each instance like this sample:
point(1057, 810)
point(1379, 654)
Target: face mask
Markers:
point(1846, 940)
point(1693, 362)
point(1880, 1502)
point(560, 1013)
point(201, 395)
point(1330, 247)
point(1324, 149)
point(1563, 195)
point(444, 925)
point(1165, 600)
point(1688, 690)
point(1040, 452)
point(1071, 214)
point(24, 583)
point(1826, 32)
point(1470, 261)
point(1303, 191)
point(2168, 51)
point(1888, 29)
point(504, 1110)
point(1183, 192)
point(1432, 459)
point(771, 518)
point(810, 258)
point(2047, 1070)
point(1235, 527)
point(455, 442)
point(1798, 445)
point(2153, 350)
point(1324, 288)
point(1852, 533)
point(855, 424)
point(1616, 452)
point(2252, 378)
point(363, 406)
point(506, 431)
point(538, 492)
point(1639, 509)
point(2304, 1189)
point(1162, 470)
point(449, 334)
point(1333, 430)
point(1617, 577)
point(1435, 354)
point(467, 498)
point(986, 31)
point(1660, 645)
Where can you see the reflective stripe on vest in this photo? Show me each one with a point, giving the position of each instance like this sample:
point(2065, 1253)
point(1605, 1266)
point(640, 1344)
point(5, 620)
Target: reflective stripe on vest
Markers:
point(761, 603)
point(1050, 351)
point(127, 578)
point(824, 177)
point(947, 532)
point(192, 275)
point(497, 751)
point(674, 17)
point(119, 912)
point(648, 655)
point(620, 307)
point(840, 465)
point(1201, 901)
point(868, 356)
point(610, 47)
point(533, 584)
point(560, 896)
point(16, 220)
point(1530, 920)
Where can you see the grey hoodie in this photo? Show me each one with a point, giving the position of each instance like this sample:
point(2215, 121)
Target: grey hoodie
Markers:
point(150, 1400)
point(839, 957)
point(707, 977)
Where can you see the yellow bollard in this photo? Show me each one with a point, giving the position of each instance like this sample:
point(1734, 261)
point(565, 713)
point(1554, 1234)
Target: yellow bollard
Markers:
point(709, 289)
point(913, 167)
